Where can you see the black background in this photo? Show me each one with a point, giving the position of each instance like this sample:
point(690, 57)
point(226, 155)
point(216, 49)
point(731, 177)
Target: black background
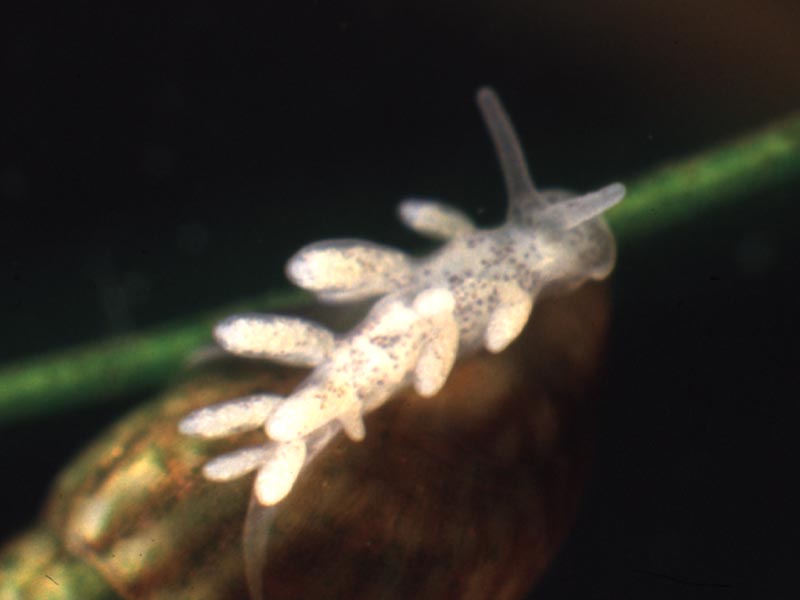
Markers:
point(159, 161)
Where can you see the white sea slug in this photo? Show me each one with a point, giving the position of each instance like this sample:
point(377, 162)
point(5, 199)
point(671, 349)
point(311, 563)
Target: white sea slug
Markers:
point(476, 291)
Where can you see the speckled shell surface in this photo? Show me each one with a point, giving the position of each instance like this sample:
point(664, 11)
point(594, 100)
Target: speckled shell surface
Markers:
point(467, 494)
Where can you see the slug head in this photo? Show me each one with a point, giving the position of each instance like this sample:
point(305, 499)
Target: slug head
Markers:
point(526, 204)
point(568, 227)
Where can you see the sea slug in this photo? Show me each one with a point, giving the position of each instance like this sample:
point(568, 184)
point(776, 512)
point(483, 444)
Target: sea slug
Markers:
point(477, 291)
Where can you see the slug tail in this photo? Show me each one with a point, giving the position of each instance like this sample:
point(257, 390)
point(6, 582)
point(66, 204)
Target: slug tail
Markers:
point(255, 536)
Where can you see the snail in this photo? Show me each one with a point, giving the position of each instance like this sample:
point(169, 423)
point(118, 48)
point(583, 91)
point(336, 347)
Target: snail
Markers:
point(472, 447)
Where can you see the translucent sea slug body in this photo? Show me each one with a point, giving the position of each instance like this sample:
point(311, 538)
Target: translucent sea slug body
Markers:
point(477, 291)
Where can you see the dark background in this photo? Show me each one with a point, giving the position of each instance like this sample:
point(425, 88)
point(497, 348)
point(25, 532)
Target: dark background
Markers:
point(155, 162)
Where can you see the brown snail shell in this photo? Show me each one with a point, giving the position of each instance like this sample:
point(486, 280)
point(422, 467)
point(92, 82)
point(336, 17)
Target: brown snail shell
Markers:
point(464, 495)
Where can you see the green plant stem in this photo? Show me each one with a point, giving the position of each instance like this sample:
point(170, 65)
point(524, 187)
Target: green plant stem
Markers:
point(127, 364)
point(664, 198)
point(683, 190)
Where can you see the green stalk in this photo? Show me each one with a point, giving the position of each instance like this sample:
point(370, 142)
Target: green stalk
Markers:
point(665, 198)
point(126, 364)
point(683, 190)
